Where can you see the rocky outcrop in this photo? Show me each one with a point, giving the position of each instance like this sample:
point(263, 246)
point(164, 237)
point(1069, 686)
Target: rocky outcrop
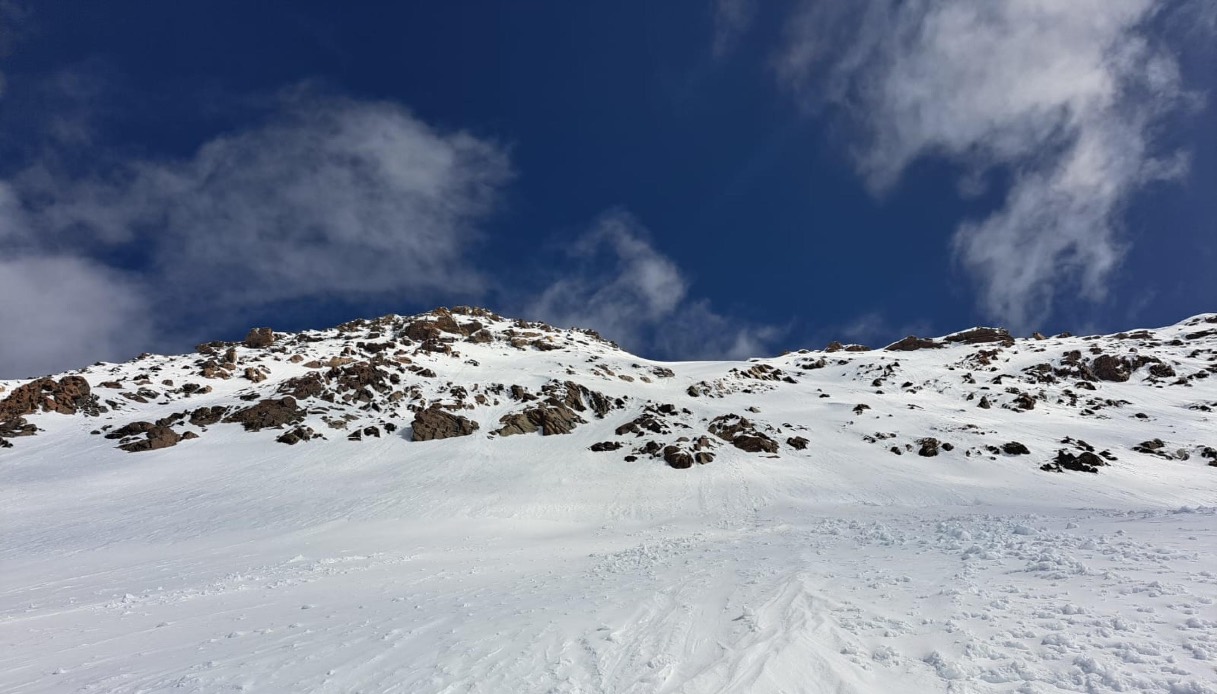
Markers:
point(206, 416)
point(259, 338)
point(68, 395)
point(741, 433)
point(1080, 462)
point(548, 417)
point(435, 423)
point(267, 414)
point(297, 435)
point(1109, 368)
point(913, 343)
point(155, 438)
point(977, 336)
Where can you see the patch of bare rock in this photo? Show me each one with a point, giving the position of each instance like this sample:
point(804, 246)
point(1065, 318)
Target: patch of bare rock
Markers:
point(435, 423)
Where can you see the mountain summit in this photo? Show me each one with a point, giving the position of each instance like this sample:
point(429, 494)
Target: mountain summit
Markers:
point(458, 501)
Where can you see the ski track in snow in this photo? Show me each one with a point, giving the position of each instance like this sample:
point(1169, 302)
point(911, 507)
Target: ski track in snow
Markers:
point(516, 565)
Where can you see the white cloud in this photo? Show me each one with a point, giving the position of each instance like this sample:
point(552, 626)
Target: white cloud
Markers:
point(332, 198)
point(1062, 95)
point(59, 312)
point(618, 283)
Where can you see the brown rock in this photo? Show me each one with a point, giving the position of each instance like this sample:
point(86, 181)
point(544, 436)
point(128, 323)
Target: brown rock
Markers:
point(259, 338)
point(69, 395)
point(677, 458)
point(157, 437)
point(1109, 368)
point(435, 423)
point(206, 416)
point(267, 413)
point(755, 443)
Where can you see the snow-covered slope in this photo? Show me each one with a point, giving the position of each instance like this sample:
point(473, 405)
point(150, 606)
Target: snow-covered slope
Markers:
point(972, 513)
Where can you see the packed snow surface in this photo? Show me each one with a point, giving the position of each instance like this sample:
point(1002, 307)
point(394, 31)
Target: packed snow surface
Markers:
point(528, 563)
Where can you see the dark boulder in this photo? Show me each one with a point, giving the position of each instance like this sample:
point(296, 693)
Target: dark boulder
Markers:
point(1081, 462)
point(755, 442)
point(267, 414)
point(1109, 368)
point(156, 438)
point(206, 416)
point(435, 423)
point(929, 447)
point(675, 457)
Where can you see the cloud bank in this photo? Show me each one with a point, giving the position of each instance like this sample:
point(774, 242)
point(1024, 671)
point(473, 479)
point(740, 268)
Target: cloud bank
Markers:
point(1063, 97)
point(330, 198)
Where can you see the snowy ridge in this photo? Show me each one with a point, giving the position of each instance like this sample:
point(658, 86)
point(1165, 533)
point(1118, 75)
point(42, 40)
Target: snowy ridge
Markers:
point(458, 501)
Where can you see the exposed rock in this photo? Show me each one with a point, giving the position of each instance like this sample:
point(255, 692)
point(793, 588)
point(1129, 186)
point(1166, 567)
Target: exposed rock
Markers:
point(259, 338)
point(435, 423)
point(550, 417)
point(1024, 401)
point(929, 447)
point(254, 375)
point(913, 343)
point(268, 413)
point(977, 336)
point(797, 442)
point(132, 429)
point(517, 423)
point(675, 457)
point(1109, 368)
point(157, 437)
point(1082, 462)
point(755, 442)
point(17, 426)
point(728, 426)
point(68, 395)
point(605, 446)
point(645, 422)
point(1015, 448)
point(206, 416)
point(310, 385)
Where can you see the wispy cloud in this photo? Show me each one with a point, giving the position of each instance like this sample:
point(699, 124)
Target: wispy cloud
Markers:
point(331, 198)
point(732, 19)
point(1063, 96)
point(617, 282)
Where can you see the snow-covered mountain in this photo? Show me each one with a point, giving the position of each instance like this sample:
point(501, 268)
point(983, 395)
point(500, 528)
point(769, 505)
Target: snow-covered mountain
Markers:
point(457, 501)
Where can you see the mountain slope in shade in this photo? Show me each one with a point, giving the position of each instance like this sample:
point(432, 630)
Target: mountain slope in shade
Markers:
point(457, 501)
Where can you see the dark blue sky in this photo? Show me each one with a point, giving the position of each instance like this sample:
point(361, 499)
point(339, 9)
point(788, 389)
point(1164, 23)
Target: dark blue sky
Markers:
point(762, 155)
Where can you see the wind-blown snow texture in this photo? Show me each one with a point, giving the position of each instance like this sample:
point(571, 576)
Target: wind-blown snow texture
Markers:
point(529, 563)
